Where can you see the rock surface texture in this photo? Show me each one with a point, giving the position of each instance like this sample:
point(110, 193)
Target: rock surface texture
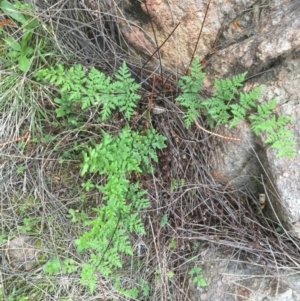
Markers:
point(21, 253)
point(284, 174)
point(262, 38)
point(234, 279)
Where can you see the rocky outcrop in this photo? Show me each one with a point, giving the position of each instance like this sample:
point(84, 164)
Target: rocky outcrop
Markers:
point(237, 36)
point(238, 278)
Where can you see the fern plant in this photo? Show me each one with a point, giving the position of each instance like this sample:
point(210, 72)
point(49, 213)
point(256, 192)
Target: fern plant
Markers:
point(229, 106)
point(198, 278)
point(78, 87)
point(274, 129)
point(190, 86)
point(107, 234)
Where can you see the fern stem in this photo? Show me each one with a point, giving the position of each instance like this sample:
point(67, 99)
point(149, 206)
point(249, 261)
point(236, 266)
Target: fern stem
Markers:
point(215, 134)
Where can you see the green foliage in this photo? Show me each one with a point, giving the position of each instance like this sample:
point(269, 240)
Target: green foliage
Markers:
point(107, 234)
point(229, 106)
point(176, 184)
point(20, 51)
point(164, 221)
point(170, 274)
point(77, 216)
point(173, 244)
point(123, 153)
point(88, 276)
point(56, 266)
point(132, 292)
point(2, 239)
point(191, 85)
point(145, 288)
point(196, 273)
point(17, 298)
point(274, 128)
point(30, 224)
point(20, 170)
point(14, 296)
point(77, 86)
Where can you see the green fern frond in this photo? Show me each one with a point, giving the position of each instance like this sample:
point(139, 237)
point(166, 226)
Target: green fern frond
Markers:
point(229, 106)
point(262, 123)
point(227, 89)
point(190, 116)
point(238, 80)
point(266, 109)
point(93, 88)
point(88, 276)
point(238, 112)
point(248, 100)
point(217, 110)
point(277, 135)
point(282, 121)
point(192, 83)
point(190, 97)
point(125, 95)
point(116, 157)
point(286, 148)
